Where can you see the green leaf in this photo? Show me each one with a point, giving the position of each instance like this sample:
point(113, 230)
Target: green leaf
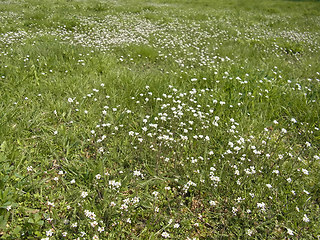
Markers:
point(16, 230)
point(3, 146)
point(31, 220)
point(3, 222)
point(41, 222)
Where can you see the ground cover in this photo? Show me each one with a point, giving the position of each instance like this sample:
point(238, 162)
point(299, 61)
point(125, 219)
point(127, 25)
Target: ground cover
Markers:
point(159, 119)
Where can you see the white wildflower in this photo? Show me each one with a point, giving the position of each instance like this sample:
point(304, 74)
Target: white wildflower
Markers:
point(305, 218)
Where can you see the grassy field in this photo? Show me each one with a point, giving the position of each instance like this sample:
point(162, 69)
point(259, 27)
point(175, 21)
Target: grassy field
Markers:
point(178, 119)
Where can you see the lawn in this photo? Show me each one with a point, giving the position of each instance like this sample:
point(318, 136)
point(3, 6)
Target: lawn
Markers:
point(180, 119)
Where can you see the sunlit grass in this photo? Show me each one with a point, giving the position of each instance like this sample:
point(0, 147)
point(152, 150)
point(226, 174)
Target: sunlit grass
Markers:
point(161, 119)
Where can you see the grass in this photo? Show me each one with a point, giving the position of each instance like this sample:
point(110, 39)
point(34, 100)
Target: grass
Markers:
point(159, 119)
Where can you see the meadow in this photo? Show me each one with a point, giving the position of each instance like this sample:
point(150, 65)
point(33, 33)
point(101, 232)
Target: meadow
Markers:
point(180, 119)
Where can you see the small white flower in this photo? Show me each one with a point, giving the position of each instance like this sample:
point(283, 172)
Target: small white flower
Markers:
point(293, 120)
point(269, 186)
point(249, 232)
point(165, 235)
point(136, 173)
point(30, 169)
point(98, 176)
point(90, 215)
point(94, 224)
point(49, 233)
point(84, 194)
point(95, 237)
point(74, 225)
point(305, 171)
point(305, 218)
point(261, 206)
point(177, 225)
point(290, 232)
point(234, 210)
point(70, 100)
